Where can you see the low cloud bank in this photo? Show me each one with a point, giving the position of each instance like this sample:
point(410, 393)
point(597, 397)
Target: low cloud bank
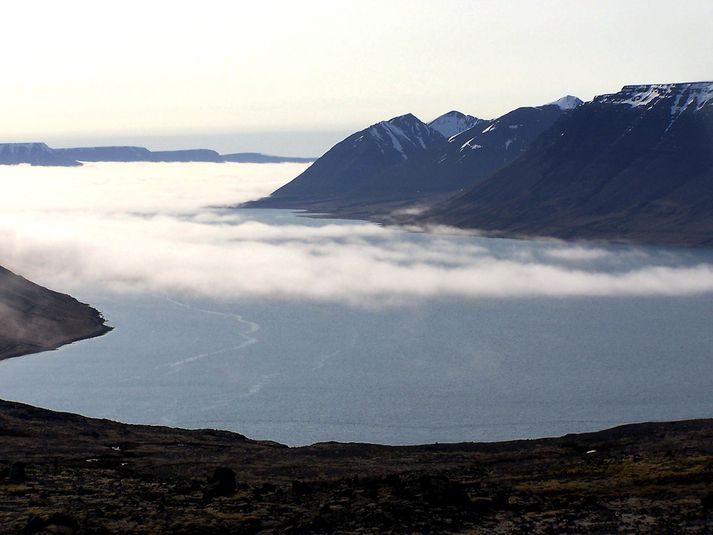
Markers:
point(151, 228)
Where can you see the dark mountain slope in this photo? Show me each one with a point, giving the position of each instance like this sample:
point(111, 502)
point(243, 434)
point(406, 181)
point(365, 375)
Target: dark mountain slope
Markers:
point(403, 162)
point(379, 163)
point(475, 154)
point(635, 165)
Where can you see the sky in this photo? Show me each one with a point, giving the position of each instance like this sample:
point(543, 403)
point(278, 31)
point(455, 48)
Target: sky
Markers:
point(149, 228)
point(293, 78)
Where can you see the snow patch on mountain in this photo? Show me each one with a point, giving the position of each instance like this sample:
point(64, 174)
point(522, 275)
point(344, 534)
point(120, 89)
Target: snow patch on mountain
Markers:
point(454, 122)
point(567, 102)
point(405, 134)
point(682, 96)
point(470, 144)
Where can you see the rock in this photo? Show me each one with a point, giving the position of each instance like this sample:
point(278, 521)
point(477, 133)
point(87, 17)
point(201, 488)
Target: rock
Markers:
point(440, 490)
point(482, 505)
point(301, 487)
point(16, 473)
point(707, 501)
point(57, 524)
point(222, 482)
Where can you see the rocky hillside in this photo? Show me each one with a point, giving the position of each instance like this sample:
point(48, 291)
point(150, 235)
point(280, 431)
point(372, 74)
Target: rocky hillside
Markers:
point(62, 473)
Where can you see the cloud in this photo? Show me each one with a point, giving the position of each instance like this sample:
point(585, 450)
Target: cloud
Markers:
point(149, 228)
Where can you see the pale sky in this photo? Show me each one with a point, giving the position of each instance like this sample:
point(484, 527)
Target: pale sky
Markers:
point(293, 77)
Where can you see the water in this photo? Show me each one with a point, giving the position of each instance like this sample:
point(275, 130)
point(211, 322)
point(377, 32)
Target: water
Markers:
point(443, 367)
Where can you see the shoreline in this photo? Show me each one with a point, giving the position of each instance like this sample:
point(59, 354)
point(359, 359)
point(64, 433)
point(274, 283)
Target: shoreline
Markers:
point(7, 353)
point(416, 224)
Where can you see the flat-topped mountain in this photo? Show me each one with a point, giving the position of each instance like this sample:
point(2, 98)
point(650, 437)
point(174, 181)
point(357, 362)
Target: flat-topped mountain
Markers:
point(258, 157)
point(139, 154)
point(33, 154)
point(37, 319)
point(636, 164)
point(41, 154)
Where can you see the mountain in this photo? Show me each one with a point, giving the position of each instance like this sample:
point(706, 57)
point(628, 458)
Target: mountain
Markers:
point(138, 154)
point(636, 165)
point(257, 157)
point(454, 122)
point(475, 154)
point(402, 163)
point(188, 155)
point(141, 154)
point(381, 163)
point(107, 154)
point(568, 102)
point(33, 318)
point(33, 154)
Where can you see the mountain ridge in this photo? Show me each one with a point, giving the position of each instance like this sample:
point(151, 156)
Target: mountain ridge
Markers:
point(632, 165)
point(39, 154)
point(388, 167)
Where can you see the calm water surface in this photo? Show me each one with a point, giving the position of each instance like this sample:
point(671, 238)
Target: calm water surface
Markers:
point(439, 369)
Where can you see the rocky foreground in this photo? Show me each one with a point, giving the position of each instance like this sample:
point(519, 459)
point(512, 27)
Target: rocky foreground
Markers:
point(63, 473)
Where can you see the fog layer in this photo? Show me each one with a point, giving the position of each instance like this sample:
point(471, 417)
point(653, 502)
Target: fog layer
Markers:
point(157, 227)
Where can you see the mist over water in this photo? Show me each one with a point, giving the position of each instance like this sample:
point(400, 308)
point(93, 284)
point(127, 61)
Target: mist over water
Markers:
point(156, 228)
point(298, 330)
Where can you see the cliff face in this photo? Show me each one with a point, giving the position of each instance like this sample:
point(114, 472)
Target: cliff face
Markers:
point(33, 318)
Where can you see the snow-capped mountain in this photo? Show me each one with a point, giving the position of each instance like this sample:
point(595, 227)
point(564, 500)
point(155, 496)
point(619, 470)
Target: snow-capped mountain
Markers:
point(634, 164)
point(404, 160)
point(567, 102)
point(473, 155)
point(694, 95)
point(380, 162)
point(33, 154)
point(404, 135)
point(454, 122)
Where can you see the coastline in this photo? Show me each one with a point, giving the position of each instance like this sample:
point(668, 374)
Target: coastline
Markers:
point(398, 215)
